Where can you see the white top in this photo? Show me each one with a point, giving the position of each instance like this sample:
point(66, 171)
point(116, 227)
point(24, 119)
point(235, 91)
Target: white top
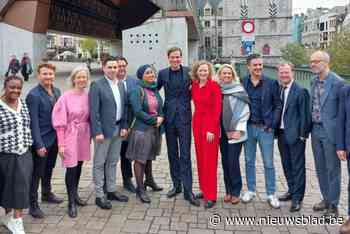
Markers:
point(286, 93)
point(117, 99)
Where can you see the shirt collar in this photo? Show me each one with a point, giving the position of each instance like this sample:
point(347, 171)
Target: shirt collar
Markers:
point(111, 82)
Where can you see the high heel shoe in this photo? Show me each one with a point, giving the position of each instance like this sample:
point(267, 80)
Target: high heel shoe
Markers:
point(152, 185)
point(142, 195)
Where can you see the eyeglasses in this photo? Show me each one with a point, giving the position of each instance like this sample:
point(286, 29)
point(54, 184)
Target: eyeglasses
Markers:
point(315, 61)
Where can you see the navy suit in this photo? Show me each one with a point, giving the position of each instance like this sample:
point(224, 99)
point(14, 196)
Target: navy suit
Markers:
point(178, 116)
point(125, 164)
point(40, 105)
point(291, 139)
point(323, 138)
point(343, 129)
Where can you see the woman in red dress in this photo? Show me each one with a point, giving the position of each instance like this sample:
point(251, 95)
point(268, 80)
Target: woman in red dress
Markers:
point(206, 96)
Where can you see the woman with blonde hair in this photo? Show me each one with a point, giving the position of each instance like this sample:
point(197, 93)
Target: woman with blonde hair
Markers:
point(235, 114)
point(70, 118)
point(206, 96)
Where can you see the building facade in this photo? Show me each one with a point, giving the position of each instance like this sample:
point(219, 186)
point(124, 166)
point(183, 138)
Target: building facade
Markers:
point(256, 26)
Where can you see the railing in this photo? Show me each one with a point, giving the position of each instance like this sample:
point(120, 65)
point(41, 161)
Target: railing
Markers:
point(302, 75)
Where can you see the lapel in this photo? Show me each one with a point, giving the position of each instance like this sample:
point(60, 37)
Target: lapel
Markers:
point(167, 75)
point(109, 91)
point(290, 95)
point(264, 87)
point(327, 88)
point(121, 92)
point(45, 95)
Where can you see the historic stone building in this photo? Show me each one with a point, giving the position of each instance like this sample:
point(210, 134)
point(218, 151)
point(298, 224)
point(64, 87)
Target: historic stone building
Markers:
point(262, 26)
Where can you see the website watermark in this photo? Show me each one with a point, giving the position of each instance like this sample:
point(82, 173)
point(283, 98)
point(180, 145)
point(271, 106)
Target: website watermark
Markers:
point(303, 220)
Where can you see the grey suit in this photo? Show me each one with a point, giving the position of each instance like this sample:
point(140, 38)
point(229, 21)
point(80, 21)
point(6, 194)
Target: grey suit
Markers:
point(323, 137)
point(103, 110)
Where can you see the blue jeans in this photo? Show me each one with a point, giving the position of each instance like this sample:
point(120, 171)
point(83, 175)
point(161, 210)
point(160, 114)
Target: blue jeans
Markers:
point(266, 141)
point(327, 165)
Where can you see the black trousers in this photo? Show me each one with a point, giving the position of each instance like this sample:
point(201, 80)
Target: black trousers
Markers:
point(42, 170)
point(125, 164)
point(230, 164)
point(293, 162)
point(178, 138)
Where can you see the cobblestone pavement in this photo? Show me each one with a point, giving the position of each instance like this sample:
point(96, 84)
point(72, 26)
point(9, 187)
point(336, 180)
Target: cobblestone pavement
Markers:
point(176, 216)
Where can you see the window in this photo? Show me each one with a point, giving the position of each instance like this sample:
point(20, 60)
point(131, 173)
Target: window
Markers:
point(207, 12)
point(207, 42)
point(219, 41)
point(219, 23)
point(220, 11)
point(207, 24)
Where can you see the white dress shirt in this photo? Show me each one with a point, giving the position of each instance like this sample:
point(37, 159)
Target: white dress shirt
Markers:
point(286, 93)
point(117, 98)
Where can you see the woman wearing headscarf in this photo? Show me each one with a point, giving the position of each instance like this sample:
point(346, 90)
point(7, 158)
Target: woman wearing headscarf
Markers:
point(144, 141)
point(235, 114)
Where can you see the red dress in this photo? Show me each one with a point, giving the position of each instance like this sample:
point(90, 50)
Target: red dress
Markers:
point(206, 118)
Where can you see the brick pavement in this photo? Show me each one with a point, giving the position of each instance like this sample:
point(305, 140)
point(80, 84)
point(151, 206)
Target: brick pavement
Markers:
point(176, 216)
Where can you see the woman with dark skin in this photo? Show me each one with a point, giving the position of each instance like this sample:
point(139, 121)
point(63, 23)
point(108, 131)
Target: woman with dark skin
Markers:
point(15, 157)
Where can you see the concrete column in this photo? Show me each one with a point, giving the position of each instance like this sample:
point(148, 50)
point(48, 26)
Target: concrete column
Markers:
point(16, 41)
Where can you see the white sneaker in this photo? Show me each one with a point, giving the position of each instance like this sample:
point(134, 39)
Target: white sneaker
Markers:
point(6, 218)
point(273, 201)
point(15, 225)
point(248, 196)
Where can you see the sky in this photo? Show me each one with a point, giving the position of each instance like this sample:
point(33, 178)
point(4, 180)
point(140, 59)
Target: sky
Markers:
point(302, 5)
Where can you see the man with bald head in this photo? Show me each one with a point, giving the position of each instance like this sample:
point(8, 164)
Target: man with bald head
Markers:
point(325, 89)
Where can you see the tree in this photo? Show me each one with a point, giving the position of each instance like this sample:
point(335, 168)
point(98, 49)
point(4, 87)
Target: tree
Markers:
point(295, 53)
point(339, 50)
point(89, 45)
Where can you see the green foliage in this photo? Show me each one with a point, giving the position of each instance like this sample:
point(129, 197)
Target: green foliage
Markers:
point(339, 50)
point(89, 45)
point(295, 53)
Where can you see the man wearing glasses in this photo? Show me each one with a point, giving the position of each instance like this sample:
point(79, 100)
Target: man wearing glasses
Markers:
point(325, 89)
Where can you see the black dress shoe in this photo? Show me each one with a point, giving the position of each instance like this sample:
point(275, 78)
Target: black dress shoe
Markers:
point(80, 202)
point(209, 204)
point(72, 210)
point(103, 203)
point(129, 186)
point(51, 198)
point(285, 197)
point(153, 186)
point(174, 191)
point(143, 196)
point(199, 195)
point(192, 199)
point(116, 196)
point(321, 206)
point(35, 211)
point(331, 212)
point(296, 206)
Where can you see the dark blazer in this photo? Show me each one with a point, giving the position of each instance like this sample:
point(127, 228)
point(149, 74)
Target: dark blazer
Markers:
point(343, 120)
point(329, 103)
point(177, 99)
point(40, 110)
point(271, 102)
point(131, 84)
point(103, 108)
point(297, 117)
point(140, 107)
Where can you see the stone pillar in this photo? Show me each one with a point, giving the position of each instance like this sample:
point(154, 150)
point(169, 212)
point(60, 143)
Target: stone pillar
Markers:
point(23, 29)
point(16, 41)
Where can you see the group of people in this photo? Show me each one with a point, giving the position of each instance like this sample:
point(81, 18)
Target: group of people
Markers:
point(125, 118)
point(25, 66)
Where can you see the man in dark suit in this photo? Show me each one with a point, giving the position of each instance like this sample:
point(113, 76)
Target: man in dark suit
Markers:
point(108, 118)
point(265, 109)
point(178, 115)
point(129, 84)
point(325, 90)
point(41, 100)
point(292, 134)
point(343, 141)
